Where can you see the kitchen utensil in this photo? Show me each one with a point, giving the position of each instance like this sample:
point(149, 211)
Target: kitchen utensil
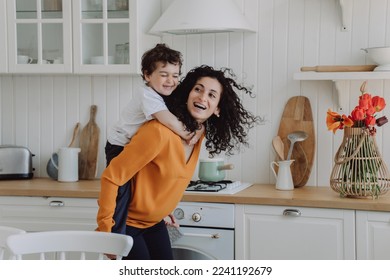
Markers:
point(213, 170)
point(381, 56)
point(89, 141)
point(52, 164)
point(296, 136)
point(284, 179)
point(339, 68)
point(297, 116)
point(278, 145)
point(75, 132)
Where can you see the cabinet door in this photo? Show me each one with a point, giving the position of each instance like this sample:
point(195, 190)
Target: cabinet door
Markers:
point(3, 41)
point(372, 235)
point(294, 233)
point(39, 36)
point(48, 213)
point(110, 35)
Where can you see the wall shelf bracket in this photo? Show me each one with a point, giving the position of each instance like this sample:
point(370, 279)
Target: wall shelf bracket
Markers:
point(342, 96)
point(346, 14)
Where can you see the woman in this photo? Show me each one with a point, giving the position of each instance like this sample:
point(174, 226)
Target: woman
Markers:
point(165, 163)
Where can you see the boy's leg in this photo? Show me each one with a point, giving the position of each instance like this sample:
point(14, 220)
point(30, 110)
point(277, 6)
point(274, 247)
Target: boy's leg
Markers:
point(123, 196)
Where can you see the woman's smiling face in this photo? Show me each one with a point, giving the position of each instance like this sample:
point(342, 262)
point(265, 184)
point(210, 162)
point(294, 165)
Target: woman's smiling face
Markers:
point(204, 98)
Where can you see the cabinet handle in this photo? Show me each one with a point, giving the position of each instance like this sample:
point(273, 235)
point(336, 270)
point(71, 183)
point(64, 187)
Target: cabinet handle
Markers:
point(56, 203)
point(292, 212)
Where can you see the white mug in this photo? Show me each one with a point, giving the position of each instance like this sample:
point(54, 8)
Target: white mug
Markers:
point(68, 164)
point(24, 59)
point(284, 179)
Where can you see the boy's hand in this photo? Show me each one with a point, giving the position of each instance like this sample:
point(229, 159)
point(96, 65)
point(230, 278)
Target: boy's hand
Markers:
point(196, 137)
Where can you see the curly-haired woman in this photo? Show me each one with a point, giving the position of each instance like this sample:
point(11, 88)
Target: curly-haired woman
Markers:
point(164, 163)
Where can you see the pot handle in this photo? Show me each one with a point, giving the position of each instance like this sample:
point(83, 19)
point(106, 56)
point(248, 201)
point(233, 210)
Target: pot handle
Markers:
point(225, 167)
point(53, 161)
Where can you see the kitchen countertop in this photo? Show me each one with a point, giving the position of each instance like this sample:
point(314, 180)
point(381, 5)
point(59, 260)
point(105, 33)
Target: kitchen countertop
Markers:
point(261, 194)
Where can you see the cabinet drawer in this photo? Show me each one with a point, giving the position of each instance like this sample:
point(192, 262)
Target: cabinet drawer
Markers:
point(285, 232)
point(48, 213)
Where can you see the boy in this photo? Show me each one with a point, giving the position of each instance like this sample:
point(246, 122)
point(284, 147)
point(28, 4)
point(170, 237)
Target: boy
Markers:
point(161, 69)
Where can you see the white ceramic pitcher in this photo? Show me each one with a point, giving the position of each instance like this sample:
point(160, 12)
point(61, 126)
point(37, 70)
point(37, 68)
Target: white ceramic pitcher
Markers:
point(68, 164)
point(284, 179)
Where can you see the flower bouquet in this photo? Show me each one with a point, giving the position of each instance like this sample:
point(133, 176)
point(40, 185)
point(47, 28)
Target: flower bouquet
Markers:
point(359, 169)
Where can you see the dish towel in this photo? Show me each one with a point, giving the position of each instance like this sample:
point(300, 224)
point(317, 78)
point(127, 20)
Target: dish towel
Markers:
point(174, 233)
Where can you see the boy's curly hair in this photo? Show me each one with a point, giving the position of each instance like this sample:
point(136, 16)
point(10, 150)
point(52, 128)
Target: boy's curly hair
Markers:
point(229, 130)
point(160, 53)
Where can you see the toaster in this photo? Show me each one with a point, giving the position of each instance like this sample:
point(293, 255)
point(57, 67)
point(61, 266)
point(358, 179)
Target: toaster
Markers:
point(15, 162)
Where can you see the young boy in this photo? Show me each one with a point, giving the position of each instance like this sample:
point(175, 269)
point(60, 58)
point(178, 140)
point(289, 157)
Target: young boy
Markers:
point(161, 69)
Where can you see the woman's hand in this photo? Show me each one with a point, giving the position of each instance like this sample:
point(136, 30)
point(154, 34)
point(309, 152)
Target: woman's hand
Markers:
point(171, 221)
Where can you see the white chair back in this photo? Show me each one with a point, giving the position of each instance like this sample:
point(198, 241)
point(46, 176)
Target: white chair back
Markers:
point(4, 233)
point(64, 242)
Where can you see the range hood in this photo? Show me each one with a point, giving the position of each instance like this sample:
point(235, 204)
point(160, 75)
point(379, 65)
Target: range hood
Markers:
point(201, 16)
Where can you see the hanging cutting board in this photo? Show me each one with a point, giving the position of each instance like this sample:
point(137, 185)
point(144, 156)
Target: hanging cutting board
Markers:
point(89, 141)
point(298, 116)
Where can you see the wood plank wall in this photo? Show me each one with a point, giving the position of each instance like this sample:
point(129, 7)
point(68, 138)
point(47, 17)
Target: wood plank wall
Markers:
point(40, 111)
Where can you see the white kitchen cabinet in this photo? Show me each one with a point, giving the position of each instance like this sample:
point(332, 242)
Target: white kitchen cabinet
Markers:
point(3, 41)
point(290, 233)
point(77, 36)
point(39, 36)
point(372, 235)
point(48, 213)
point(111, 36)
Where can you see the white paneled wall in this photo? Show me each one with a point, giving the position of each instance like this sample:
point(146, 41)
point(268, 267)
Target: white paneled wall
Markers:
point(40, 111)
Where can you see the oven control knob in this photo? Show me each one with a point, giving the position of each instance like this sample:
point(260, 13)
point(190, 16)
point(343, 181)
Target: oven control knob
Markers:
point(178, 213)
point(196, 217)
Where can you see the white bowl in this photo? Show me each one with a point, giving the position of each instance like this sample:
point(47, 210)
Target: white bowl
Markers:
point(380, 56)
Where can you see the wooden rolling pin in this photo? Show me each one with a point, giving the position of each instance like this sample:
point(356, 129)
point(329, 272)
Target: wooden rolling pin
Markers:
point(339, 68)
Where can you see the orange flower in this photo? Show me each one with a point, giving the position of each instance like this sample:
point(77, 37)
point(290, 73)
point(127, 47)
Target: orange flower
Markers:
point(363, 115)
point(365, 101)
point(357, 114)
point(378, 103)
point(370, 121)
point(336, 121)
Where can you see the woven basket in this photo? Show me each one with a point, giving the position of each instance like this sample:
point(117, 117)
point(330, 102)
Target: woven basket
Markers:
point(359, 169)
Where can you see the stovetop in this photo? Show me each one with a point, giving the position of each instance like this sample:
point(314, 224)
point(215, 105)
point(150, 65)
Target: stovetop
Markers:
point(220, 187)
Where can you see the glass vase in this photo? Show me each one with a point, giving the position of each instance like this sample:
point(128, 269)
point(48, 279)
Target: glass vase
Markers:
point(359, 170)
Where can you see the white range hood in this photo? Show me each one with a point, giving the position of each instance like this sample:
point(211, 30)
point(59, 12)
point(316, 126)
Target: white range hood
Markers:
point(201, 16)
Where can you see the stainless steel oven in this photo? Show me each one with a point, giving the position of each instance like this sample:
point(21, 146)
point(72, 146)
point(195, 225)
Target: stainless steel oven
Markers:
point(208, 231)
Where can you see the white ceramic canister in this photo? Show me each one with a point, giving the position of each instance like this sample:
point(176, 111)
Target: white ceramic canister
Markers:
point(68, 164)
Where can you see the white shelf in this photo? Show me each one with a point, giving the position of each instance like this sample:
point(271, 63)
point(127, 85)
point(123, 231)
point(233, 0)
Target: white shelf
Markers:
point(341, 79)
point(333, 76)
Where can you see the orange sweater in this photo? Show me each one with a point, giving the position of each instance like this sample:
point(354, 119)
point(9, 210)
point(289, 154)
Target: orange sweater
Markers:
point(155, 157)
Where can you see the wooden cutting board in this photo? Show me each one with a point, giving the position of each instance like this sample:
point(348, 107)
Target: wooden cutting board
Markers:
point(89, 141)
point(298, 116)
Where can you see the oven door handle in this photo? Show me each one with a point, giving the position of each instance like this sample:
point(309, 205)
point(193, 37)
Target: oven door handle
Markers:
point(212, 235)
